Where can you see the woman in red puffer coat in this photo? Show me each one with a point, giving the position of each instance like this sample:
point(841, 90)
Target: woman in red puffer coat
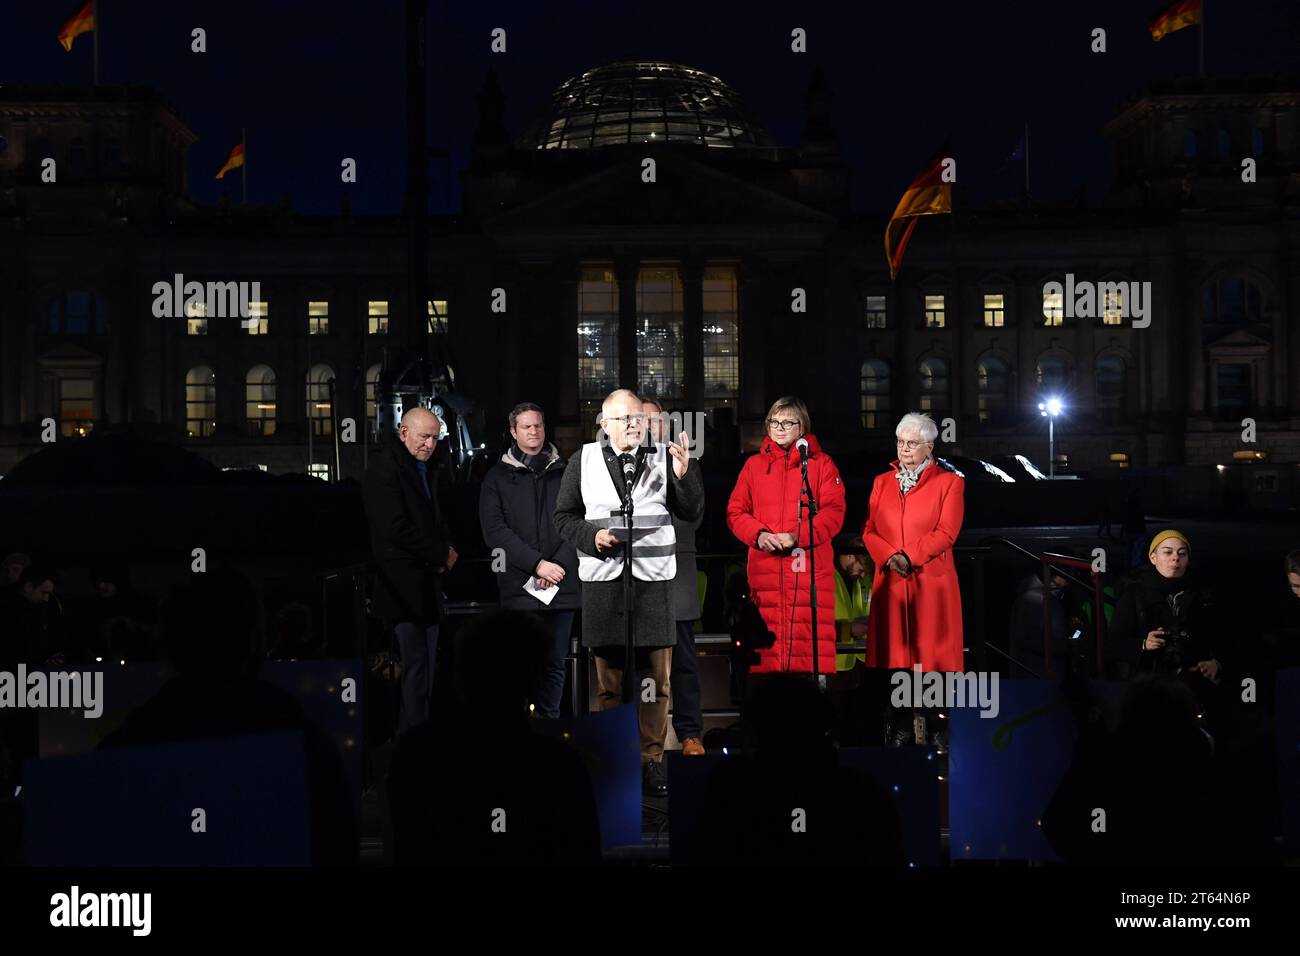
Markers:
point(764, 514)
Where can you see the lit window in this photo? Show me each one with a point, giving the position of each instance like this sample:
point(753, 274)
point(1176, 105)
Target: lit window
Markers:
point(876, 318)
point(597, 339)
point(934, 312)
point(259, 401)
point(660, 334)
point(994, 310)
point(257, 318)
point(318, 318)
point(200, 402)
point(196, 318)
point(437, 309)
point(1112, 307)
point(320, 390)
point(1053, 308)
point(874, 388)
point(721, 345)
point(377, 311)
point(76, 407)
point(318, 470)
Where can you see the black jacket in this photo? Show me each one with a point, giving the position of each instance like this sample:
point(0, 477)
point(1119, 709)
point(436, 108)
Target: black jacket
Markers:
point(1027, 630)
point(407, 534)
point(515, 509)
point(1178, 605)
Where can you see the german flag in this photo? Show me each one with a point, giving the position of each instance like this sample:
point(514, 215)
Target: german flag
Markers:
point(927, 196)
point(1179, 14)
point(81, 22)
point(234, 161)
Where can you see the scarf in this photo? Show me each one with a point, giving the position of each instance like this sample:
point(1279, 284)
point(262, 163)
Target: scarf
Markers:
point(907, 479)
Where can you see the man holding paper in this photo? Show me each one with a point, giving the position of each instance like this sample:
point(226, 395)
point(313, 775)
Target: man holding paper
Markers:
point(536, 570)
point(662, 484)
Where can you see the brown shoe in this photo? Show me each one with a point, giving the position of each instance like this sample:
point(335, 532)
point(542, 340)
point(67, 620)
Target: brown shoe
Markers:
point(691, 747)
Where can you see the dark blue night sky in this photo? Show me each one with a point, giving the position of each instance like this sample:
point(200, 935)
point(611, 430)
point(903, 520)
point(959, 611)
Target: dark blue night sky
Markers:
point(314, 82)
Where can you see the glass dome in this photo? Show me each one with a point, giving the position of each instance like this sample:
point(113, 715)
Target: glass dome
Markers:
point(644, 101)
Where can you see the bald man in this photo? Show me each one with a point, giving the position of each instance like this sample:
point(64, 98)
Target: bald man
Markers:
point(409, 537)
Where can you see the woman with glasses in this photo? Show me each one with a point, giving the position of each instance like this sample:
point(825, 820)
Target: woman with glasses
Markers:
point(913, 520)
point(764, 514)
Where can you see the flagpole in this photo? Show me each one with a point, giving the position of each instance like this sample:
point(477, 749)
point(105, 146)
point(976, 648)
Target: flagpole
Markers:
point(1201, 42)
point(243, 169)
point(94, 19)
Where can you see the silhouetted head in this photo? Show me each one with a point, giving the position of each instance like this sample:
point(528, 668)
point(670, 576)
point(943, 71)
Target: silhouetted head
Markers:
point(110, 579)
point(1293, 572)
point(36, 583)
point(212, 626)
point(12, 568)
point(499, 655)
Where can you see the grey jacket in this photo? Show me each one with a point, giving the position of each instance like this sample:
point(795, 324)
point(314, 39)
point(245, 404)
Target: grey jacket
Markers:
point(686, 594)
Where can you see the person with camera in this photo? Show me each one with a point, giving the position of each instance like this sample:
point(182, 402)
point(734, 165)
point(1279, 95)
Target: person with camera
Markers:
point(1166, 620)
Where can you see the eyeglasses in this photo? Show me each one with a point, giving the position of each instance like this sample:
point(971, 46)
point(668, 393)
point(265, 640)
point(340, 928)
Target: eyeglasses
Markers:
point(629, 419)
point(910, 445)
point(783, 425)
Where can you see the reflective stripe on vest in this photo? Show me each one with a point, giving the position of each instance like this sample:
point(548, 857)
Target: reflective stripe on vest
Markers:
point(654, 544)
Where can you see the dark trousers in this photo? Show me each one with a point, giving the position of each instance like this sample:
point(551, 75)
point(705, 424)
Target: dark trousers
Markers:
point(550, 682)
point(688, 720)
point(418, 647)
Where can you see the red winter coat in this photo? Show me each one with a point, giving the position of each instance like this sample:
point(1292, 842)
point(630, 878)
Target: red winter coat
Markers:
point(916, 619)
point(766, 498)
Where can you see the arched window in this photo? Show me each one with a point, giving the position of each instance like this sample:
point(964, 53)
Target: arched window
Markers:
point(1109, 376)
point(934, 385)
point(1232, 300)
point(875, 394)
point(77, 313)
point(1051, 373)
point(200, 402)
point(319, 399)
point(994, 388)
point(372, 398)
point(259, 401)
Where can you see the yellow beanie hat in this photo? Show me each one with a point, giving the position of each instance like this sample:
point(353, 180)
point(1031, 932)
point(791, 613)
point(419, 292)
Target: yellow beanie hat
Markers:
point(1168, 533)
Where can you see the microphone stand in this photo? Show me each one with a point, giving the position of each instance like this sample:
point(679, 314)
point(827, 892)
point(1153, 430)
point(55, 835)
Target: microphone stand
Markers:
point(629, 661)
point(811, 505)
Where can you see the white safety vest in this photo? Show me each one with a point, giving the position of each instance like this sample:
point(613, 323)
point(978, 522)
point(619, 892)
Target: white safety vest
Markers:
point(654, 544)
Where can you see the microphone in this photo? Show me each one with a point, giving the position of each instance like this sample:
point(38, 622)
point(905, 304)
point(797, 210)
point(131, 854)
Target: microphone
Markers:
point(802, 445)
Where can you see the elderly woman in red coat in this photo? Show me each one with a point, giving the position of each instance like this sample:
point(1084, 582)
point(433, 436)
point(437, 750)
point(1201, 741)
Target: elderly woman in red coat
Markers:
point(914, 518)
point(764, 514)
